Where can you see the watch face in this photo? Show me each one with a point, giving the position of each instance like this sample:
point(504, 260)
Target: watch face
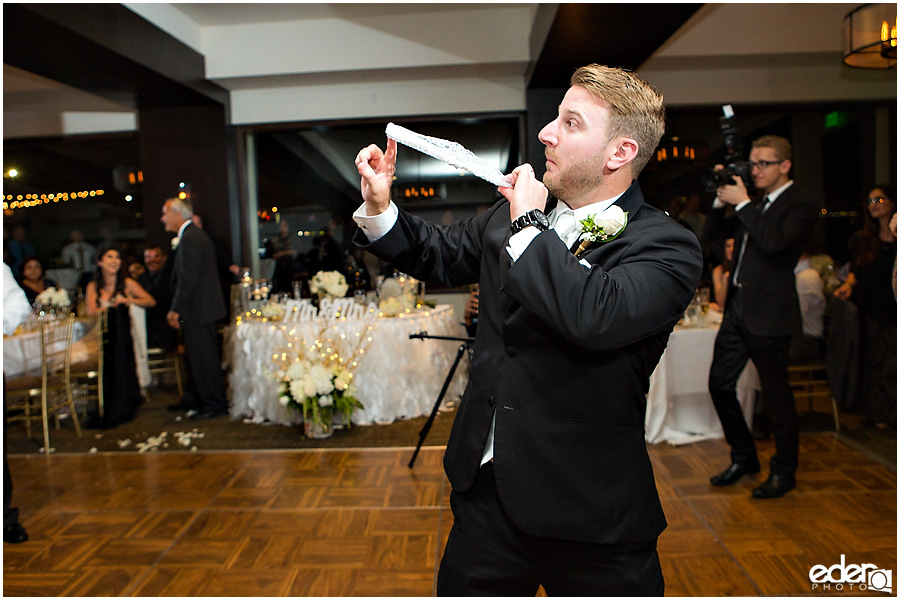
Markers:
point(541, 218)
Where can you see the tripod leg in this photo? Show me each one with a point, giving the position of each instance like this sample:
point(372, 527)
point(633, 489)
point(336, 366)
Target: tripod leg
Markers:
point(427, 427)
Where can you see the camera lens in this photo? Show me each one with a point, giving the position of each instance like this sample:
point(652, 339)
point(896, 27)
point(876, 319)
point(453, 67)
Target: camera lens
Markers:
point(712, 179)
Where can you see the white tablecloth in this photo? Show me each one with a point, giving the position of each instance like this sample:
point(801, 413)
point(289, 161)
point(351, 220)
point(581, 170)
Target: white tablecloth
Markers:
point(396, 378)
point(679, 407)
point(22, 351)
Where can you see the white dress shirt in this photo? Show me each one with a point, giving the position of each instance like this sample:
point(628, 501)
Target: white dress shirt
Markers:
point(79, 255)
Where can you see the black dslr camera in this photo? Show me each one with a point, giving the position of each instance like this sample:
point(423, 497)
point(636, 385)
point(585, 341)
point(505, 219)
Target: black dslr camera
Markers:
point(734, 159)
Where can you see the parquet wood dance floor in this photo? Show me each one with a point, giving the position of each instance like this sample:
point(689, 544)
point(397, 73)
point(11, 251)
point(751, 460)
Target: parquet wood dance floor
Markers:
point(361, 523)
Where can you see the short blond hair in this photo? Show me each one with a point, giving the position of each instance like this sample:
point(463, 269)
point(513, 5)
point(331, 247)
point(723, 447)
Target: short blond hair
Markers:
point(637, 107)
point(781, 146)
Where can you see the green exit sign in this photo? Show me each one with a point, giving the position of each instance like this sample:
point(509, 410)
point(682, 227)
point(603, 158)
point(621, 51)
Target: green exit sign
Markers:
point(835, 119)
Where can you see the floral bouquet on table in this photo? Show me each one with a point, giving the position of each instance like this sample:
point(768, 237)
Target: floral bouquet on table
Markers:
point(52, 299)
point(272, 311)
point(328, 283)
point(318, 389)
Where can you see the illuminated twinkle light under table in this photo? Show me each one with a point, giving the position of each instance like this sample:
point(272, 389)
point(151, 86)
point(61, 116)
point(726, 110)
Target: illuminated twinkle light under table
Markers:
point(396, 378)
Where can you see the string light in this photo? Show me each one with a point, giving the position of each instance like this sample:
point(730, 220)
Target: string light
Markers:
point(13, 202)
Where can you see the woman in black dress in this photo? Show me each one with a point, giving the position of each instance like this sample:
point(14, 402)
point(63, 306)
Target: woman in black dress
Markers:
point(869, 286)
point(112, 291)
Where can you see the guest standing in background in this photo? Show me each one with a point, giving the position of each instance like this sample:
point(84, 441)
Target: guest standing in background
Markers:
point(197, 305)
point(135, 267)
point(552, 484)
point(79, 255)
point(16, 309)
point(112, 291)
point(721, 273)
point(158, 282)
point(33, 281)
point(281, 249)
point(762, 311)
point(811, 291)
point(692, 215)
point(18, 247)
point(326, 254)
point(870, 286)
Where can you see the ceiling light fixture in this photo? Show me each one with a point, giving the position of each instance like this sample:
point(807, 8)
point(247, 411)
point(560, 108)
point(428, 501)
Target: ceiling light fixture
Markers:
point(870, 37)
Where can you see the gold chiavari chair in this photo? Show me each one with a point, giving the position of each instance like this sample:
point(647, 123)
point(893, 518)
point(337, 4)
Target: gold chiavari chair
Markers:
point(161, 361)
point(87, 374)
point(35, 396)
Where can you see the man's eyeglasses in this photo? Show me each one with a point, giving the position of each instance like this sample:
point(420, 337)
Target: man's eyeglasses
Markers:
point(762, 164)
point(877, 200)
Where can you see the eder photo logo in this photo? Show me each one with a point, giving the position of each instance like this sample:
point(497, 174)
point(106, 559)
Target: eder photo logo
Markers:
point(843, 577)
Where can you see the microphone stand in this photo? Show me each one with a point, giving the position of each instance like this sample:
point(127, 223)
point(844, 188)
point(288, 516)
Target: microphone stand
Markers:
point(466, 344)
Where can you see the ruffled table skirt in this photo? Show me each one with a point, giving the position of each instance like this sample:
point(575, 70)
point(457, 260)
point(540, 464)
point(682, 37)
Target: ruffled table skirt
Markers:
point(396, 378)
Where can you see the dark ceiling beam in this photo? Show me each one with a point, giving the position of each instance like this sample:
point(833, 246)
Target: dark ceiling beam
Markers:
point(618, 35)
point(109, 51)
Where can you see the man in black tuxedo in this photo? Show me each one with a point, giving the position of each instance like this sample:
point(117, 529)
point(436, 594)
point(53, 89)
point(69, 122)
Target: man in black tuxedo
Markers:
point(762, 311)
point(196, 306)
point(158, 281)
point(552, 484)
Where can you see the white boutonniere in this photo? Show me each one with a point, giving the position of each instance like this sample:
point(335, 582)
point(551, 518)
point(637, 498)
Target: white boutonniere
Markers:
point(601, 227)
point(175, 241)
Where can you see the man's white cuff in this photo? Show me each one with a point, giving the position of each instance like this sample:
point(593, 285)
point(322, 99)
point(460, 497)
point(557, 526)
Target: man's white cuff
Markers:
point(376, 226)
point(518, 242)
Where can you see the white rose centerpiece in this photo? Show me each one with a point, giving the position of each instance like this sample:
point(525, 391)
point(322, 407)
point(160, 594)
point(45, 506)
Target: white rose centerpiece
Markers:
point(328, 284)
point(53, 298)
point(318, 389)
point(272, 311)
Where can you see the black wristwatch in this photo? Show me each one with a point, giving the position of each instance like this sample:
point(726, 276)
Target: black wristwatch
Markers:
point(534, 217)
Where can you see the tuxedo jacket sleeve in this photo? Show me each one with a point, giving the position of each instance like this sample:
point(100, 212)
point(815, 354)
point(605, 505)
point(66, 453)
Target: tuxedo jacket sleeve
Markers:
point(775, 240)
point(562, 359)
point(197, 296)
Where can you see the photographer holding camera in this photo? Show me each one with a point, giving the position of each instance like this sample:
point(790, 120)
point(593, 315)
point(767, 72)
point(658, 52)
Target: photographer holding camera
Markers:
point(762, 311)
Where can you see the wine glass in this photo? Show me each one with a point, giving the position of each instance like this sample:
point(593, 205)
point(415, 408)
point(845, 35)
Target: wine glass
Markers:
point(703, 293)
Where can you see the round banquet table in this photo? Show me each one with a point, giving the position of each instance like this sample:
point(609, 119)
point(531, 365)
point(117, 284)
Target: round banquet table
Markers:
point(397, 378)
point(679, 407)
point(22, 350)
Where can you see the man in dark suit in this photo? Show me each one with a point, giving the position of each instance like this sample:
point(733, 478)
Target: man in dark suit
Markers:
point(552, 484)
point(762, 311)
point(158, 281)
point(196, 306)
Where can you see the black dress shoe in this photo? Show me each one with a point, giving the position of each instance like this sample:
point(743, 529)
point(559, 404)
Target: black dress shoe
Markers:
point(777, 485)
point(180, 407)
point(208, 414)
point(14, 534)
point(734, 472)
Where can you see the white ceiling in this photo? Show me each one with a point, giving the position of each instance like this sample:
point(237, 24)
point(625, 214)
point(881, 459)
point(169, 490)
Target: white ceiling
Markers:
point(297, 62)
point(754, 52)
